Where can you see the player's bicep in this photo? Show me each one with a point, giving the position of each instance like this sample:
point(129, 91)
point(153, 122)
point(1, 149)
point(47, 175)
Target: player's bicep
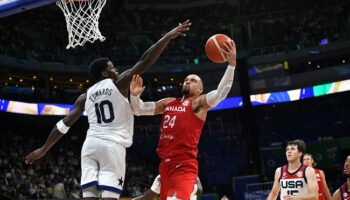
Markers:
point(203, 103)
point(78, 109)
point(161, 104)
point(276, 183)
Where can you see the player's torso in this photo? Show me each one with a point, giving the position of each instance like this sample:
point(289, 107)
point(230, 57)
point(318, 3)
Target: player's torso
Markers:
point(320, 184)
point(293, 183)
point(344, 192)
point(180, 131)
point(109, 113)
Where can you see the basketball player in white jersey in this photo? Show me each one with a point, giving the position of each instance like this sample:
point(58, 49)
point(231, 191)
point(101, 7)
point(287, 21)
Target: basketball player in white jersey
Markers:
point(111, 122)
point(155, 190)
point(295, 180)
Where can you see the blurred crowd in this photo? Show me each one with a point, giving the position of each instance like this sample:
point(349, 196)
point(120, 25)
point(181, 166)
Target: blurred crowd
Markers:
point(288, 25)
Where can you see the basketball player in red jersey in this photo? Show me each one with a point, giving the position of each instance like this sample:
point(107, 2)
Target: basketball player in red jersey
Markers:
point(296, 181)
point(343, 193)
point(323, 191)
point(181, 125)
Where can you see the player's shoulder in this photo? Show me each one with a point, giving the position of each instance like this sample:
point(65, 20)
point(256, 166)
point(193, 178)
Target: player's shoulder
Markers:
point(278, 170)
point(337, 194)
point(82, 97)
point(309, 171)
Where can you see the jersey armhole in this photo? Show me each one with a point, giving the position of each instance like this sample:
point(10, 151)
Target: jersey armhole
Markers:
point(279, 179)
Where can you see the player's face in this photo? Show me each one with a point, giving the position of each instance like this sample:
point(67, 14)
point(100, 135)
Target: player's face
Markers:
point(347, 167)
point(192, 85)
point(307, 160)
point(111, 71)
point(293, 153)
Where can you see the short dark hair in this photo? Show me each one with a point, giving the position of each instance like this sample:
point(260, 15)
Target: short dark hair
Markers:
point(300, 144)
point(97, 66)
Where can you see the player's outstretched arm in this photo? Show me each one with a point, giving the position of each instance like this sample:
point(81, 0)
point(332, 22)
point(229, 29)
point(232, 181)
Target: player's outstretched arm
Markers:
point(153, 53)
point(276, 186)
point(144, 108)
point(214, 97)
point(59, 130)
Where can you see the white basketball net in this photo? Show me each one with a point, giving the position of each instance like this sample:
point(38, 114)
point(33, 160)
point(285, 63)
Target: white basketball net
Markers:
point(82, 20)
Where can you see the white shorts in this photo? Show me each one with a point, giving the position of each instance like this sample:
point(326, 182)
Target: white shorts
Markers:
point(102, 165)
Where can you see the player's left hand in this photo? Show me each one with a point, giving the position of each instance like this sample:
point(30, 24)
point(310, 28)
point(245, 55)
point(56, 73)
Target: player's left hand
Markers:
point(34, 156)
point(136, 85)
point(289, 197)
point(181, 29)
point(230, 52)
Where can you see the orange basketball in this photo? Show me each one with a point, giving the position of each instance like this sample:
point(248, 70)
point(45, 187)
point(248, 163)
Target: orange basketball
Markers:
point(212, 47)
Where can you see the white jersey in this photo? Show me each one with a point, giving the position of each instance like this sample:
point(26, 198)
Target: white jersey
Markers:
point(109, 113)
point(294, 184)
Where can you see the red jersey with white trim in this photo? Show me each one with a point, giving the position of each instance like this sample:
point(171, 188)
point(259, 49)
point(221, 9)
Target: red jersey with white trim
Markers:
point(320, 185)
point(344, 192)
point(293, 183)
point(180, 130)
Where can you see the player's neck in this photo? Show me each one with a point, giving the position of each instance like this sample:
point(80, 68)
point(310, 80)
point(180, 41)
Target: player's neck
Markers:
point(184, 97)
point(293, 165)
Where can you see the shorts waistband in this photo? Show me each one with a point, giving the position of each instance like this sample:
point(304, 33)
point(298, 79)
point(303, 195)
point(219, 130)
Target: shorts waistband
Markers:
point(166, 160)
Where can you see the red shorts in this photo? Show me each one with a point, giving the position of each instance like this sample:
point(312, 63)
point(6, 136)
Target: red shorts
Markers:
point(177, 178)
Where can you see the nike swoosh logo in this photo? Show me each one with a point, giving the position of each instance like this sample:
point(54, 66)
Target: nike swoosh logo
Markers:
point(177, 166)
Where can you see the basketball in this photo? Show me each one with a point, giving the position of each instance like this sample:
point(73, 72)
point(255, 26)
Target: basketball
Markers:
point(213, 45)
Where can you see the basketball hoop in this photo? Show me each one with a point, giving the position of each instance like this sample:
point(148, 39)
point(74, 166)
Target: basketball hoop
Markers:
point(82, 20)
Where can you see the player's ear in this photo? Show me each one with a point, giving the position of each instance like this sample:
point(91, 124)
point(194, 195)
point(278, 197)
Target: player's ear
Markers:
point(104, 73)
point(200, 90)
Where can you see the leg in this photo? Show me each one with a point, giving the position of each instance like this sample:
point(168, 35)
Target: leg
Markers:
point(163, 180)
point(89, 171)
point(181, 182)
point(91, 193)
point(112, 169)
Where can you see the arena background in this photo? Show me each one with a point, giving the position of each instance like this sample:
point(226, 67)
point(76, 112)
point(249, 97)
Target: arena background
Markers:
point(292, 81)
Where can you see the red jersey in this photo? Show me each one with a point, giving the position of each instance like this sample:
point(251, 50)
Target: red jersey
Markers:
point(180, 130)
point(320, 185)
point(344, 192)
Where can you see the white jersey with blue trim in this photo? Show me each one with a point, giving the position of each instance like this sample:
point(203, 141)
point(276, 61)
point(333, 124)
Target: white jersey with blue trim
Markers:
point(109, 113)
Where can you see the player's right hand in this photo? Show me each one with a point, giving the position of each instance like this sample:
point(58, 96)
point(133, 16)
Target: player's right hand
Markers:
point(34, 156)
point(136, 85)
point(230, 53)
point(181, 29)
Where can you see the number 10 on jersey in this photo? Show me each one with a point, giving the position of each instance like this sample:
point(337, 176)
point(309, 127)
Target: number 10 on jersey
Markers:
point(100, 112)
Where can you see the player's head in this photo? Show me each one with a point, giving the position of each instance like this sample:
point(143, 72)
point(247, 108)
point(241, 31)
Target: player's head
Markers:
point(295, 150)
point(308, 160)
point(347, 167)
point(192, 86)
point(102, 68)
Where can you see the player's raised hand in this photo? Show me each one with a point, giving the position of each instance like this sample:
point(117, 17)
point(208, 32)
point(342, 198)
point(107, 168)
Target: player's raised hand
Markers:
point(136, 85)
point(230, 52)
point(181, 29)
point(34, 156)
